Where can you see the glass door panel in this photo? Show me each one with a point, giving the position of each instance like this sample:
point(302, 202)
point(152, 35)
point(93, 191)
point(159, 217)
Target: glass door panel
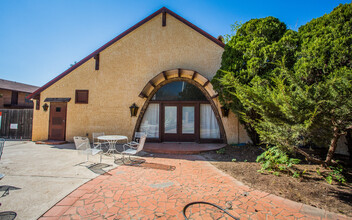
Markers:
point(209, 128)
point(150, 122)
point(187, 119)
point(170, 120)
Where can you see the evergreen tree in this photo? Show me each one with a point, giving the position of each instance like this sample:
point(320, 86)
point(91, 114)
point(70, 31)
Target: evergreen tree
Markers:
point(252, 52)
point(325, 61)
point(293, 89)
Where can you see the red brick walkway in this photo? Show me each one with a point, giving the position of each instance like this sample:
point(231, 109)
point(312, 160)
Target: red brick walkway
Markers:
point(157, 193)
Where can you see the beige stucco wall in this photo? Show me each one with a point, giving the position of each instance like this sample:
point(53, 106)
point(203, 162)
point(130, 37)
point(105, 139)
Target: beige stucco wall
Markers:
point(125, 68)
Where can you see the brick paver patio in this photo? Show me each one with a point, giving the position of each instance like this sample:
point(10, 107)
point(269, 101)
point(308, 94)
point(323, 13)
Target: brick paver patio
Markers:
point(156, 192)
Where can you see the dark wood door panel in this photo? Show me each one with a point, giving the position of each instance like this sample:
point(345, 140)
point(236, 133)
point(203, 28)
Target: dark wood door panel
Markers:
point(57, 121)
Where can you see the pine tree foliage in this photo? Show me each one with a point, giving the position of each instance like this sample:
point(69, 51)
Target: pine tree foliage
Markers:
point(253, 52)
point(292, 88)
point(325, 61)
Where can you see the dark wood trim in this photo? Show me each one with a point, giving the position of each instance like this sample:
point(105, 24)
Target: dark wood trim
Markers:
point(14, 97)
point(151, 140)
point(57, 99)
point(215, 96)
point(164, 18)
point(142, 95)
point(78, 92)
point(177, 102)
point(208, 140)
point(164, 74)
point(146, 88)
point(218, 42)
point(194, 75)
point(96, 57)
point(151, 83)
point(202, 32)
point(206, 83)
point(37, 103)
point(161, 125)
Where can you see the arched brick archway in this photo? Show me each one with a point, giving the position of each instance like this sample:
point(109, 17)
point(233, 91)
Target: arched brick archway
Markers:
point(189, 76)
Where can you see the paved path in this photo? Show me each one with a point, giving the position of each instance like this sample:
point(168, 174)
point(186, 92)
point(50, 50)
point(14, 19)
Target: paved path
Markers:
point(162, 188)
point(38, 176)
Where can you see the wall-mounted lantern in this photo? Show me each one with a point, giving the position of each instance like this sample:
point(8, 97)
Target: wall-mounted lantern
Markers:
point(45, 107)
point(224, 111)
point(134, 109)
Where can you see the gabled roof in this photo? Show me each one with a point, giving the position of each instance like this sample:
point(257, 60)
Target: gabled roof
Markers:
point(162, 10)
point(15, 86)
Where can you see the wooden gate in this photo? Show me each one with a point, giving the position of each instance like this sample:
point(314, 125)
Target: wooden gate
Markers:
point(16, 123)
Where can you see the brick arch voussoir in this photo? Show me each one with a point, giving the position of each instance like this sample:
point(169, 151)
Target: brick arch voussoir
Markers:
point(193, 82)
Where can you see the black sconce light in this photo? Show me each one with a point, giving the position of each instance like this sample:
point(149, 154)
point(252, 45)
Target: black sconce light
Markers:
point(134, 109)
point(224, 111)
point(45, 107)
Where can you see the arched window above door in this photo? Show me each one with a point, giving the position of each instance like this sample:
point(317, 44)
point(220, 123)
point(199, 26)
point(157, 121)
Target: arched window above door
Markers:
point(179, 91)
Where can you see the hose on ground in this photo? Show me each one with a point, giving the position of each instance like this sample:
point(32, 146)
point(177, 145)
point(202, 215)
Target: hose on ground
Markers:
point(206, 203)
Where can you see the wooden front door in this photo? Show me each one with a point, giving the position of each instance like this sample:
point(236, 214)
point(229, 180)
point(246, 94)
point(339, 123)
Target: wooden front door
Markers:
point(180, 122)
point(57, 121)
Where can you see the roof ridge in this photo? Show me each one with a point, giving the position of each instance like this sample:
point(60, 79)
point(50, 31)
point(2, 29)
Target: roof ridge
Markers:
point(161, 10)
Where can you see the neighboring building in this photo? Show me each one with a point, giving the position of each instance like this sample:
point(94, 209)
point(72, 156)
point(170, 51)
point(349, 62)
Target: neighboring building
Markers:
point(164, 65)
point(13, 95)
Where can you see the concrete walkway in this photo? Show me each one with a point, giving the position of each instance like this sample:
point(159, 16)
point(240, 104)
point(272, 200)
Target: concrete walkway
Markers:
point(163, 186)
point(38, 176)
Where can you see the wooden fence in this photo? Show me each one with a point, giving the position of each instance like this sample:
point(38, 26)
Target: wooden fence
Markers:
point(16, 123)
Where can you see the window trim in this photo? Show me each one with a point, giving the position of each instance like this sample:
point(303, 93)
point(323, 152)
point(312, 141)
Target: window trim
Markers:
point(76, 97)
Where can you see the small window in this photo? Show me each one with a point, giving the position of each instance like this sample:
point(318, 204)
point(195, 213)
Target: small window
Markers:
point(58, 109)
point(82, 96)
point(27, 100)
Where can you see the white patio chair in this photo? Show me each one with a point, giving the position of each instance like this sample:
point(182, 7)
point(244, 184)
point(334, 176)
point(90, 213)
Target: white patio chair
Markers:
point(134, 148)
point(83, 146)
point(2, 145)
point(96, 143)
point(137, 136)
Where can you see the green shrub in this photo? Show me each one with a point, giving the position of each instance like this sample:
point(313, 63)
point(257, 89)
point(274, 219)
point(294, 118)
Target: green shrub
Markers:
point(221, 151)
point(275, 160)
point(335, 174)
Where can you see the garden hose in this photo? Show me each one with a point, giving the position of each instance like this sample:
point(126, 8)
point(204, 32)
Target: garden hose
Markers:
point(207, 203)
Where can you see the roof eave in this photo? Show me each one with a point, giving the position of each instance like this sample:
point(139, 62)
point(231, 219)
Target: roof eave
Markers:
point(163, 9)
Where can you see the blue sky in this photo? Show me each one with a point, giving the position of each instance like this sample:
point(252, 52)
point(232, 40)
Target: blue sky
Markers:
point(39, 39)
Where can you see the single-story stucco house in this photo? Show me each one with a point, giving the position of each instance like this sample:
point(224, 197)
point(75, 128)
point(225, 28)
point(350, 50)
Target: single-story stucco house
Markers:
point(163, 65)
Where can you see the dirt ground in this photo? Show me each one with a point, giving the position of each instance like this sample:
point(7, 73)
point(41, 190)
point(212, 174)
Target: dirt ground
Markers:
point(311, 189)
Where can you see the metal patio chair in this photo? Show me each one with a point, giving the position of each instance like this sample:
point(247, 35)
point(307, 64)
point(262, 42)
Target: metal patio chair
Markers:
point(96, 143)
point(137, 136)
point(8, 215)
point(133, 149)
point(83, 146)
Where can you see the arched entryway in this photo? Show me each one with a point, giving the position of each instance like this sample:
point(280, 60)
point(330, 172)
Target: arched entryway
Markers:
point(180, 109)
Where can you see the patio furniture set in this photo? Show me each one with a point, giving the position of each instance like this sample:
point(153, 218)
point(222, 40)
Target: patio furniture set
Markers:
point(100, 140)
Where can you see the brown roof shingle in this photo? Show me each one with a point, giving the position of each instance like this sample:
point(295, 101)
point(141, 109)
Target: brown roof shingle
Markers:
point(20, 87)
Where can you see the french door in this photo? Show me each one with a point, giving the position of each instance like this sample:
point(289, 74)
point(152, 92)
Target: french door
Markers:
point(180, 122)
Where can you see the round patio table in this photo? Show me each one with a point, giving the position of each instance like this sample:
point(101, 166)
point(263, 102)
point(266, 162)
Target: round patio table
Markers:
point(112, 140)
